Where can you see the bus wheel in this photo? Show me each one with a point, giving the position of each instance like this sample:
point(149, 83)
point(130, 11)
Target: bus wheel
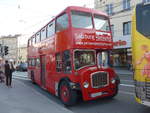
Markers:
point(67, 95)
point(32, 77)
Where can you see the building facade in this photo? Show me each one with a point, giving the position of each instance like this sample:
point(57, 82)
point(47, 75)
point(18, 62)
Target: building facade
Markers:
point(22, 53)
point(120, 13)
point(12, 43)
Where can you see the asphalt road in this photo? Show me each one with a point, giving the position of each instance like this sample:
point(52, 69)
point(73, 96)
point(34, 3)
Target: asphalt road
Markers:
point(124, 102)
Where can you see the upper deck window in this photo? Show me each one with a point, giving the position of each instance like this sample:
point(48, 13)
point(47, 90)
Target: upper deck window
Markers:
point(62, 23)
point(29, 42)
point(38, 37)
point(43, 33)
point(101, 23)
point(51, 29)
point(81, 19)
point(33, 40)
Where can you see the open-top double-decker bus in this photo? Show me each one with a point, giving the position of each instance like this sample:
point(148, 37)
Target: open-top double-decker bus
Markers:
point(70, 56)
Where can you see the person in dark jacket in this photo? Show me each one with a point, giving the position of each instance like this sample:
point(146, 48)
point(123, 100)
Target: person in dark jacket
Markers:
point(8, 74)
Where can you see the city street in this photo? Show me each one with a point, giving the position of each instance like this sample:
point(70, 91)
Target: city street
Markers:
point(25, 97)
point(77, 50)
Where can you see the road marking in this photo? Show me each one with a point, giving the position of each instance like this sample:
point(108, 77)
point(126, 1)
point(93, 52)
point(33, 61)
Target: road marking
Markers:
point(128, 93)
point(22, 78)
point(127, 85)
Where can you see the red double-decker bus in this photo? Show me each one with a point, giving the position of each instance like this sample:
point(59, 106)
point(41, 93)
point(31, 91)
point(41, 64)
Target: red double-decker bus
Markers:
point(70, 56)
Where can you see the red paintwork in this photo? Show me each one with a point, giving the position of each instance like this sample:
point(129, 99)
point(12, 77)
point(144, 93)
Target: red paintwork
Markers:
point(71, 38)
point(65, 93)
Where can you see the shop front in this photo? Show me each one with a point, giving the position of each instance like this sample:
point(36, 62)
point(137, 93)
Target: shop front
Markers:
point(121, 54)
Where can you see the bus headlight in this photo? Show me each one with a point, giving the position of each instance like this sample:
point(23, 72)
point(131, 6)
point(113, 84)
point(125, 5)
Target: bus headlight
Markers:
point(113, 80)
point(85, 84)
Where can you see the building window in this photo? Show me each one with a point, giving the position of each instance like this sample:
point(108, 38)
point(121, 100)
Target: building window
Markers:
point(146, 1)
point(109, 9)
point(127, 28)
point(126, 4)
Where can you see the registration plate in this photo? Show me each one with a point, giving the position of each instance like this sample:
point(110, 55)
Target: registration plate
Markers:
point(96, 94)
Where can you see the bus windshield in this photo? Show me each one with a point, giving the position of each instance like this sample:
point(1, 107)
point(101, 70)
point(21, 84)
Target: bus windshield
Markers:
point(143, 16)
point(81, 19)
point(101, 23)
point(103, 59)
point(83, 58)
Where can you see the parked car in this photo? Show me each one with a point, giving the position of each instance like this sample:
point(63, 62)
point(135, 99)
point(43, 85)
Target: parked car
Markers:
point(22, 67)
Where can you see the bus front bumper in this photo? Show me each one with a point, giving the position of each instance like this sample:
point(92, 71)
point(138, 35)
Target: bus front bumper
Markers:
point(146, 103)
point(91, 94)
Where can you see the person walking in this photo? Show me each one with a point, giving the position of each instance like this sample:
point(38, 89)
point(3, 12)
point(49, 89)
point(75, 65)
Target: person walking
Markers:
point(8, 74)
point(1, 71)
point(12, 69)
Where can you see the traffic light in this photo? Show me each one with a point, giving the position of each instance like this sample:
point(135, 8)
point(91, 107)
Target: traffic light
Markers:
point(6, 50)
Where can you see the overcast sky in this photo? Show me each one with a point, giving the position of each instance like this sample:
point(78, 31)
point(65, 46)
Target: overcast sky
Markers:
point(27, 16)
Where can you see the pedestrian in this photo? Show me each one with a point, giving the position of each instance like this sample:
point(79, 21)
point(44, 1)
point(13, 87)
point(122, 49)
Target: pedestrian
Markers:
point(12, 69)
point(1, 72)
point(8, 74)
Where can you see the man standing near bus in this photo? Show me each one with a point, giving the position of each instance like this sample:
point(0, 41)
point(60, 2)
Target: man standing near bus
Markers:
point(8, 74)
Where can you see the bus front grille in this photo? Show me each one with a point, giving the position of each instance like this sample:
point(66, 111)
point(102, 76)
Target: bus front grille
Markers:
point(99, 79)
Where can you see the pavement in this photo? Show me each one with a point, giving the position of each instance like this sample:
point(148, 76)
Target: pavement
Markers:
point(23, 99)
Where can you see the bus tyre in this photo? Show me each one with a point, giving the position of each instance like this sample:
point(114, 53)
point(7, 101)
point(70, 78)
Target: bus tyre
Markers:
point(67, 95)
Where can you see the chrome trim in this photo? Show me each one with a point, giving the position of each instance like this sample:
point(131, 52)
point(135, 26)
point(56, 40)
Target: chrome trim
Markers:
point(56, 88)
point(99, 72)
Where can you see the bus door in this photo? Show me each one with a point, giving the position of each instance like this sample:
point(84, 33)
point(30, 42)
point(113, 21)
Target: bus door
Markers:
point(43, 70)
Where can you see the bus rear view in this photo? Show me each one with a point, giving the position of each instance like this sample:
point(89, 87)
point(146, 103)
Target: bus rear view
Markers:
point(141, 52)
